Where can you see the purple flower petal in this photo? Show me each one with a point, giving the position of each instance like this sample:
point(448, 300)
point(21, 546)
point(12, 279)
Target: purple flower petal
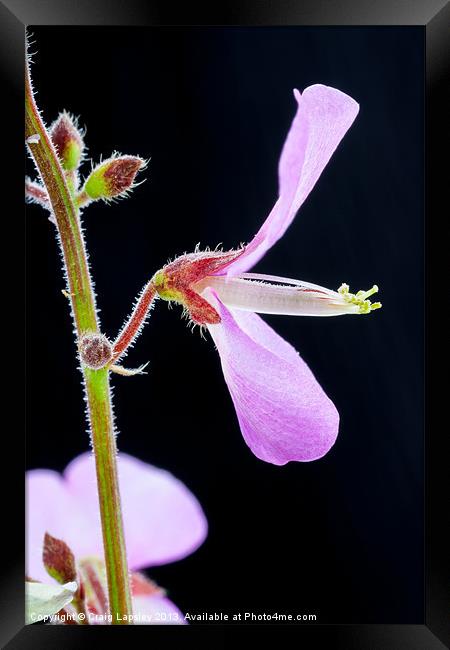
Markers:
point(283, 412)
point(323, 117)
point(163, 520)
point(157, 610)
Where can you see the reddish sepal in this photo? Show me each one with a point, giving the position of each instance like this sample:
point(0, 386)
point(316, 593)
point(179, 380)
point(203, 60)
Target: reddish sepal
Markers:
point(177, 281)
point(58, 560)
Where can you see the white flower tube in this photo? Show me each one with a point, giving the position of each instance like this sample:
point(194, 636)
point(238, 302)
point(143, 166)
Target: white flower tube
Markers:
point(268, 294)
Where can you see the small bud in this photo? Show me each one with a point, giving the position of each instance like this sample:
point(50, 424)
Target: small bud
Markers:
point(112, 178)
point(58, 560)
point(95, 351)
point(68, 141)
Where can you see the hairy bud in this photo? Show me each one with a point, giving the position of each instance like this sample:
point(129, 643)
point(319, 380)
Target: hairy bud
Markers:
point(58, 559)
point(68, 141)
point(112, 178)
point(95, 351)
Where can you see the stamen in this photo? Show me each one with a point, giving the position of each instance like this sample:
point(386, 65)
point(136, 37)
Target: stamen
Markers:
point(360, 299)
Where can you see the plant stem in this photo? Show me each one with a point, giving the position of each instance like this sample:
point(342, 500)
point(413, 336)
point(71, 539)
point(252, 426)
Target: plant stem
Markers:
point(96, 381)
point(135, 322)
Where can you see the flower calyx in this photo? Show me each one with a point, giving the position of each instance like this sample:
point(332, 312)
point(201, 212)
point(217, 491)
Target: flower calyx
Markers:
point(177, 281)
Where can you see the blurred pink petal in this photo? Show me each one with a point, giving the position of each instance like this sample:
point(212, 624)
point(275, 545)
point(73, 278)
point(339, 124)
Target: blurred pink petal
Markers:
point(163, 520)
point(157, 610)
point(283, 412)
point(51, 508)
point(323, 117)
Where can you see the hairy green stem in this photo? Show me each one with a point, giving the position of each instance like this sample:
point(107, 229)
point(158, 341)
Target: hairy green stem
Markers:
point(96, 381)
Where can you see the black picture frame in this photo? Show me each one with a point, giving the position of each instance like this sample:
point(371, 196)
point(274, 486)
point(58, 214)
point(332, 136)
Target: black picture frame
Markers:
point(434, 17)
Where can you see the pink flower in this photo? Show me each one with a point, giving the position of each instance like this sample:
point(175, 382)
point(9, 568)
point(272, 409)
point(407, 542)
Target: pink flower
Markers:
point(283, 412)
point(163, 522)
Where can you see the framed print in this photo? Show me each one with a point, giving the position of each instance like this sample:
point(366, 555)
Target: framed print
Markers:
point(226, 249)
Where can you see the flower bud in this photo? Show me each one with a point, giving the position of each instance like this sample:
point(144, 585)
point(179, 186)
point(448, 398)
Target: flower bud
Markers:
point(58, 560)
point(95, 351)
point(68, 141)
point(112, 178)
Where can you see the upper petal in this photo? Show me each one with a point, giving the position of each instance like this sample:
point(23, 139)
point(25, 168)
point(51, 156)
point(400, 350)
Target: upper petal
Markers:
point(283, 412)
point(323, 117)
point(163, 520)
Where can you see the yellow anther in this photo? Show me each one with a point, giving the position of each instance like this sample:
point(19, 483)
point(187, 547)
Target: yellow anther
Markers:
point(360, 299)
point(363, 295)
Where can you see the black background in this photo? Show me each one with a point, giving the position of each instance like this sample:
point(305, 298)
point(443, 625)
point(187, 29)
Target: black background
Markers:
point(342, 536)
